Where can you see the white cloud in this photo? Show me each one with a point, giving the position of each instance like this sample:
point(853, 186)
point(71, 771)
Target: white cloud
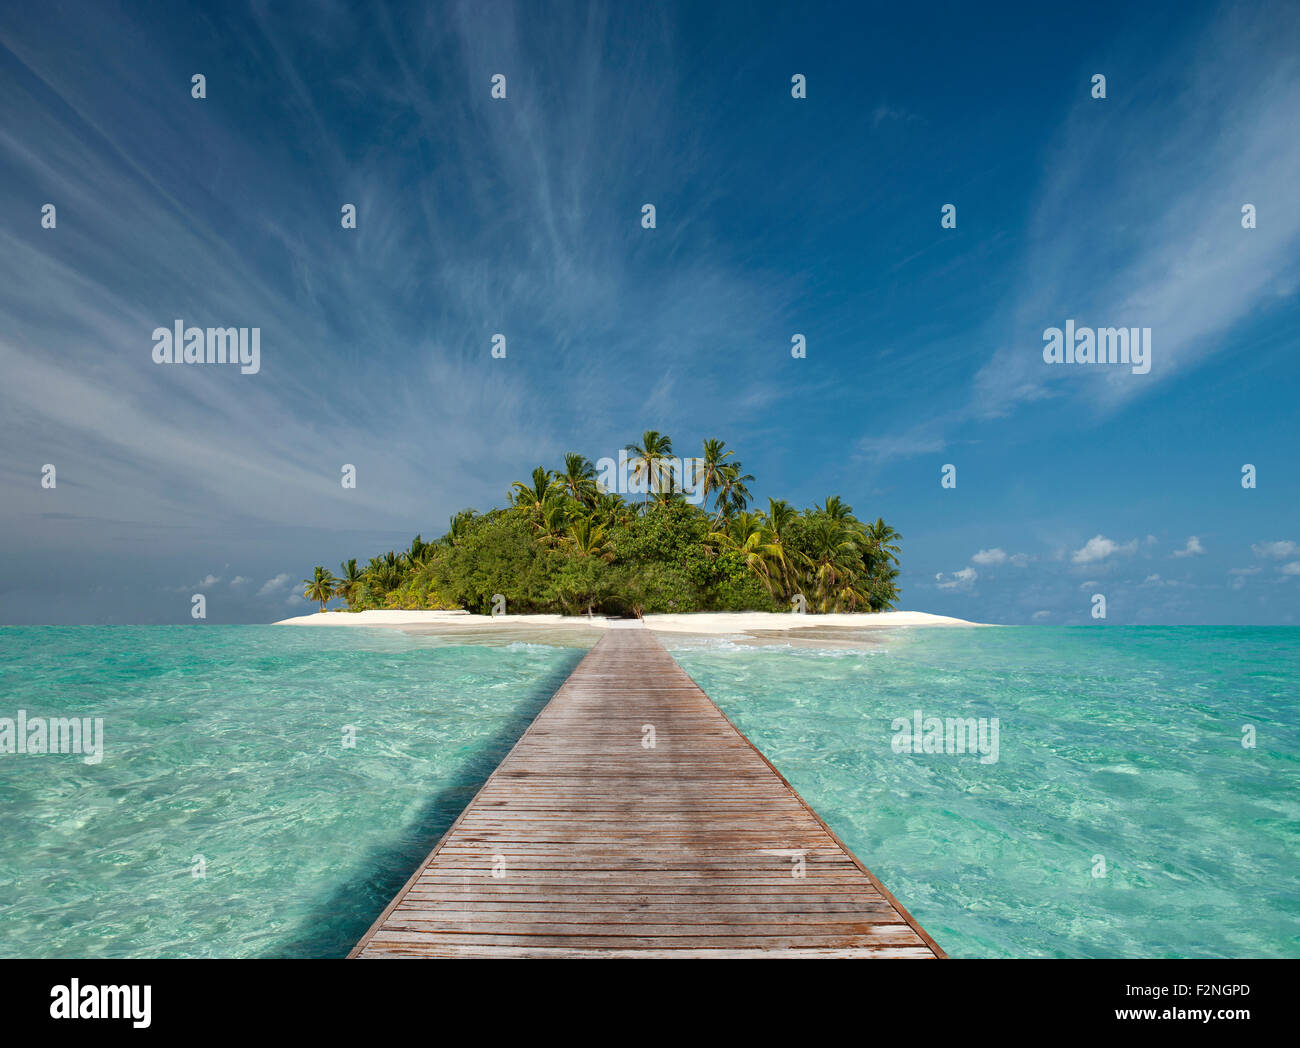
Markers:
point(963, 579)
point(271, 585)
point(1277, 550)
point(899, 446)
point(1041, 616)
point(1099, 548)
point(1020, 559)
point(884, 112)
point(990, 556)
point(1188, 278)
point(238, 580)
point(1290, 569)
point(207, 580)
point(1192, 549)
point(568, 271)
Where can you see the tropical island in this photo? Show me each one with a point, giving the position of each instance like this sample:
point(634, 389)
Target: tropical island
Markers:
point(568, 543)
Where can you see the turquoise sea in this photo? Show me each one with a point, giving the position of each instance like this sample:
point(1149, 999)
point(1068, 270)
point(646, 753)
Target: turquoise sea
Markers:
point(1120, 749)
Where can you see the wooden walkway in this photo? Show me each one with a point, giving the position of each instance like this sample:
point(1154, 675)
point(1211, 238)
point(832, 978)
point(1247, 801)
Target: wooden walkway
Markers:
point(587, 842)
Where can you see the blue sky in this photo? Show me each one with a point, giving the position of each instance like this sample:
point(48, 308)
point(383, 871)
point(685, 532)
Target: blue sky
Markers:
point(775, 216)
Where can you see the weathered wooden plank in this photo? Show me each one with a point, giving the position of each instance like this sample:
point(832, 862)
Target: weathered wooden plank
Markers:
point(445, 950)
point(687, 910)
point(888, 935)
point(591, 839)
point(574, 922)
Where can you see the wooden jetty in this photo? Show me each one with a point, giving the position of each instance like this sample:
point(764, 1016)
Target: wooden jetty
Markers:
point(632, 819)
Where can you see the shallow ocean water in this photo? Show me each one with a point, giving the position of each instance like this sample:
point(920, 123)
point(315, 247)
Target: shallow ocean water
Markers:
point(1119, 743)
point(226, 742)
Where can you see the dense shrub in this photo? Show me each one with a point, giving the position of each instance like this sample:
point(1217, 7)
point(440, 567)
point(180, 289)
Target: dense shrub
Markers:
point(564, 545)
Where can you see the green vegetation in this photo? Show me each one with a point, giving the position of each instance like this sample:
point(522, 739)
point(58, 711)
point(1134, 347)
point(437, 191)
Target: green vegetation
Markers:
point(565, 545)
point(321, 587)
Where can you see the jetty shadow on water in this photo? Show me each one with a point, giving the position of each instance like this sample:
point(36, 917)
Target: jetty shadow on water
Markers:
point(334, 926)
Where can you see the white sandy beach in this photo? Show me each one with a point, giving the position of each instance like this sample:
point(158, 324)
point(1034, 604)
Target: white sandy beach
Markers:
point(701, 623)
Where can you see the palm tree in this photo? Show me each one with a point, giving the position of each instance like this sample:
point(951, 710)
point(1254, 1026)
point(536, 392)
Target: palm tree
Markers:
point(648, 460)
point(349, 582)
point(834, 563)
point(320, 587)
point(456, 526)
point(670, 486)
point(587, 538)
point(609, 509)
point(554, 522)
point(884, 539)
point(744, 533)
point(532, 496)
point(779, 516)
point(579, 478)
point(881, 587)
point(733, 494)
point(708, 470)
point(837, 509)
point(880, 552)
point(384, 573)
point(418, 552)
